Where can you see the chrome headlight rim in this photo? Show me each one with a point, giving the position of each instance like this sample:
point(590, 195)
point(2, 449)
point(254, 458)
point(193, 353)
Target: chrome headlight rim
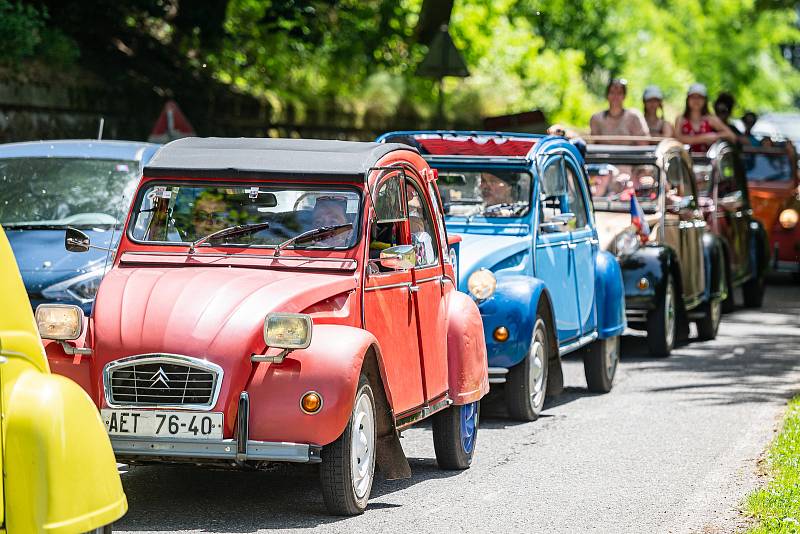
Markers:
point(274, 317)
point(482, 284)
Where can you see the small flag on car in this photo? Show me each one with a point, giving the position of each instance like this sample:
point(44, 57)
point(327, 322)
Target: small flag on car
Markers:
point(637, 218)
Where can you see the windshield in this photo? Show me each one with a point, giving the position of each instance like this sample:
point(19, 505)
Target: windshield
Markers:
point(183, 213)
point(768, 167)
point(613, 184)
point(485, 194)
point(65, 191)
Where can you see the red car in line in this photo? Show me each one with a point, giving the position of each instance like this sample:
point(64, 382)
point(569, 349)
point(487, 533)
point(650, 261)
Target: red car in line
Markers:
point(281, 300)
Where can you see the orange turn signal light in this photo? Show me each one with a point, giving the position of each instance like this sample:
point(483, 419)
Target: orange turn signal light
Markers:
point(500, 334)
point(643, 284)
point(311, 402)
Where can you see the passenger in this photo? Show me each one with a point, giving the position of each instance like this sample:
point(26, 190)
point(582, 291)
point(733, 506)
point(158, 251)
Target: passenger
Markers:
point(653, 101)
point(723, 108)
point(749, 120)
point(697, 127)
point(617, 120)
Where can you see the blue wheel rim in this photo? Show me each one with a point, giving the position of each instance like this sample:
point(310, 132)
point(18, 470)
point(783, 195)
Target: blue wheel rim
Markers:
point(469, 426)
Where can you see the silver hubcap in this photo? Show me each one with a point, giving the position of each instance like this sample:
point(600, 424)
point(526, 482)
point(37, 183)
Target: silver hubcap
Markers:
point(611, 347)
point(362, 448)
point(669, 315)
point(538, 361)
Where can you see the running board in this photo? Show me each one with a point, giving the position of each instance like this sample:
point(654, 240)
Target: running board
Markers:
point(575, 345)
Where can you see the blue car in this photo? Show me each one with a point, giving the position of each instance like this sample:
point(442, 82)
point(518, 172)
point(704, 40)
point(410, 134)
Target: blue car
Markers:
point(47, 186)
point(529, 255)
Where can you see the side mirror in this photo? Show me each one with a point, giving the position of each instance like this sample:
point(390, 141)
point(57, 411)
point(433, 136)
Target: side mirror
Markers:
point(401, 257)
point(76, 241)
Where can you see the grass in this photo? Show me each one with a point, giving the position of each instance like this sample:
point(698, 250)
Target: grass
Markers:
point(776, 507)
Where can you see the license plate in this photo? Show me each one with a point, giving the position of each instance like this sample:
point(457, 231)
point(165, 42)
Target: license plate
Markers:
point(161, 423)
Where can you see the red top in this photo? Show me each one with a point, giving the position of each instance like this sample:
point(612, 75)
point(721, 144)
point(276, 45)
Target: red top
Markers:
point(463, 146)
point(688, 129)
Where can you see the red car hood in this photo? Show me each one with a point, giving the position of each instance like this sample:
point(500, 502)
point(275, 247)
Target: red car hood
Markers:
point(207, 312)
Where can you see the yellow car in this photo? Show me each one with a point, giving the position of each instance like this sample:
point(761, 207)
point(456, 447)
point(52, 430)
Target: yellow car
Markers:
point(59, 471)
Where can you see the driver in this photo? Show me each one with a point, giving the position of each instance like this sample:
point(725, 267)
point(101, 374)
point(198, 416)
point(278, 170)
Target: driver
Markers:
point(208, 213)
point(331, 211)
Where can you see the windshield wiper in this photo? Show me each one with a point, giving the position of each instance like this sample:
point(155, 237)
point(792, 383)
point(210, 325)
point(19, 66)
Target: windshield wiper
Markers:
point(228, 232)
point(314, 232)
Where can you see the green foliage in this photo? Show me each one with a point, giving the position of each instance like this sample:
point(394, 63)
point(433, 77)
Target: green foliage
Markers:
point(777, 506)
point(361, 55)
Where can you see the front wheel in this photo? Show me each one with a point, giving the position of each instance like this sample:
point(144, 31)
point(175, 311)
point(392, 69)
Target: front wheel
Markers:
point(526, 385)
point(600, 364)
point(348, 464)
point(455, 431)
point(662, 322)
point(708, 326)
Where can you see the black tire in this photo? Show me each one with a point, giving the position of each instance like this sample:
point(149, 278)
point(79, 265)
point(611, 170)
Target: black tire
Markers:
point(729, 304)
point(336, 472)
point(662, 322)
point(753, 292)
point(526, 386)
point(600, 362)
point(455, 432)
point(708, 326)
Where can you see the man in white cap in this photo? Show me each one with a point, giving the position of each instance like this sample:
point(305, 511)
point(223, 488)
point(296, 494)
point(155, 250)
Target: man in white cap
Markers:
point(653, 102)
point(617, 120)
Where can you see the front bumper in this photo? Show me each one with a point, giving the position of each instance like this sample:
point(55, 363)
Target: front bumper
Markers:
point(238, 450)
point(225, 450)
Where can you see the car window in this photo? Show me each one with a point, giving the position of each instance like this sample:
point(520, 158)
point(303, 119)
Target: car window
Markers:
point(554, 194)
point(613, 184)
point(768, 167)
point(577, 204)
point(423, 232)
point(438, 215)
point(388, 227)
point(496, 193)
point(679, 189)
point(63, 192)
point(183, 213)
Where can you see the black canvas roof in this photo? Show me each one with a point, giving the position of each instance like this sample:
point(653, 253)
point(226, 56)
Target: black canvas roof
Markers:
point(232, 157)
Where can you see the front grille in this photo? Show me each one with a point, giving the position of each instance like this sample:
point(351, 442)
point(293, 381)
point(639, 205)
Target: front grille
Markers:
point(162, 381)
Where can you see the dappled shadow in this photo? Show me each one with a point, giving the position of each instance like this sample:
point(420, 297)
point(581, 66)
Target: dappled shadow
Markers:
point(752, 359)
point(166, 498)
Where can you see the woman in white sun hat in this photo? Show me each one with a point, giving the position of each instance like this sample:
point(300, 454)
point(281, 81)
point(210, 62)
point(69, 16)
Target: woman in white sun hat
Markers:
point(653, 103)
point(697, 127)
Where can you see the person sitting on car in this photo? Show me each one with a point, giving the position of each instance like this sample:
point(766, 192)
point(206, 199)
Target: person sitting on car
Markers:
point(749, 120)
point(617, 120)
point(653, 103)
point(697, 127)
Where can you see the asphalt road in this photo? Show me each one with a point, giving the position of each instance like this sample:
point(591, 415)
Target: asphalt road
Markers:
point(673, 448)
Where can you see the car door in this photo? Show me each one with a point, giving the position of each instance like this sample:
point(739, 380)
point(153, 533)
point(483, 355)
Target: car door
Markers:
point(553, 257)
point(389, 307)
point(732, 223)
point(584, 245)
point(428, 291)
point(695, 228)
point(680, 232)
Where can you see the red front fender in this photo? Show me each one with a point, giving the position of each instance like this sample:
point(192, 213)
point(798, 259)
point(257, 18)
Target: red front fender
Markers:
point(468, 372)
point(330, 366)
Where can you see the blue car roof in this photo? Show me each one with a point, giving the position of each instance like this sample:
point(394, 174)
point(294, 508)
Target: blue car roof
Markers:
point(81, 148)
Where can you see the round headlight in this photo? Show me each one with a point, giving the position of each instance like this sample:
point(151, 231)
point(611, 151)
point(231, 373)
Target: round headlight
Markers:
point(481, 284)
point(626, 243)
point(788, 218)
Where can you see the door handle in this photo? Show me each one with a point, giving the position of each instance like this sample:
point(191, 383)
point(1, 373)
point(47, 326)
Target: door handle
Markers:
point(594, 241)
point(413, 289)
point(572, 246)
point(685, 225)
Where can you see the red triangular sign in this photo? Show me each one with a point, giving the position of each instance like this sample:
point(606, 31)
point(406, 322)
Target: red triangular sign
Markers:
point(171, 124)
